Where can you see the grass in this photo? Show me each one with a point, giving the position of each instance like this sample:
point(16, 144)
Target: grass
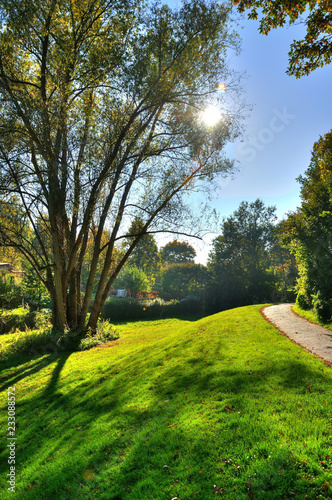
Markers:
point(311, 316)
point(224, 407)
point(20, 319)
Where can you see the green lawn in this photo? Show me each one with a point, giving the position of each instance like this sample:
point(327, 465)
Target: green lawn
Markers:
point(224, 407)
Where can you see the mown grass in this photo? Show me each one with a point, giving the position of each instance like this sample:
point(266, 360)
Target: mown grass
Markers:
point(224, 407)
point(311, 316)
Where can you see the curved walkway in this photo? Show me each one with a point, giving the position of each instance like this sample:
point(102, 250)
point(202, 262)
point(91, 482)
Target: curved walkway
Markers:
point(314, 338)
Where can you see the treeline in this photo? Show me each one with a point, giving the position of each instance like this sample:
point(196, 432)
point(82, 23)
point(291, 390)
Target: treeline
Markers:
point(247, 264)
point(308, 232)
point(255, 259)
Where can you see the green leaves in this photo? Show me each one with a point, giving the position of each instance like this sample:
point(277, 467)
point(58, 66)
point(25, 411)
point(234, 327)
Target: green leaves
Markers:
point(308, 232)
point(306, 55)
point(100, 124)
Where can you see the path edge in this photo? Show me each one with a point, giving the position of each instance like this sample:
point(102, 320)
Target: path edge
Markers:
point(262, 313)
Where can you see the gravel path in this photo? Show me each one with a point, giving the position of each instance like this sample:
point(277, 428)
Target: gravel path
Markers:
point(314, 338)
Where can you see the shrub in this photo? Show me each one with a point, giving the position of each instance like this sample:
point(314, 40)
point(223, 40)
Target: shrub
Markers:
point(20, 319)
point(133, 279)
point(35, 292)
point(303, 300)
point(322, 307)
point(105, 333)
point(11, 294)
point(136, 310)
point(34, 342)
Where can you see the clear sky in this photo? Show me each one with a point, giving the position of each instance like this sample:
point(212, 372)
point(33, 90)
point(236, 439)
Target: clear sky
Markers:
point(288, 117)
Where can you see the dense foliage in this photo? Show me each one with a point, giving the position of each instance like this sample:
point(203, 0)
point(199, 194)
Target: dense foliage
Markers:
point(308, 231)
point(100, 123)
point(243, 259)
point(134, 279)
point(180, 280)
point(177, 252)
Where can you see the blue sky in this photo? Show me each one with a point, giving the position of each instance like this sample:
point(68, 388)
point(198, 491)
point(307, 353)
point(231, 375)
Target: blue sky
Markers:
point(288, 116)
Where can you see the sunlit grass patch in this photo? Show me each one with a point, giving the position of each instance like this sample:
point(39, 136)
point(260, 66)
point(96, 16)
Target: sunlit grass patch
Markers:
point(186, 409)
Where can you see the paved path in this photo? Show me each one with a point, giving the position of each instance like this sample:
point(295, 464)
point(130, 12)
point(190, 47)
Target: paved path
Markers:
point(316, 339)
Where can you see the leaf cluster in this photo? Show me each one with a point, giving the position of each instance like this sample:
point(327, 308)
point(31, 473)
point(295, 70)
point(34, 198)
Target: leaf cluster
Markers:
point(306, 55)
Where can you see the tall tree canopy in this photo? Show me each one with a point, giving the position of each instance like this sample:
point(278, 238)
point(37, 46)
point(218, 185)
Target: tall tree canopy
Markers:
point(240, 259)
point(100, 122)
point(309, 231)
point(306, 55)
point(145, 255)
point(177, 252)
point(183, 279)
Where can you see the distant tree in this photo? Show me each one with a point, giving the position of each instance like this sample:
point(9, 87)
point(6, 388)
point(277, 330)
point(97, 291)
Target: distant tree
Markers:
point(133, 279)
point(177, 252)
point(284, 268)
point(180, 280)
point(315, 50)
point(240, 259)
point(100, 122)
point(34, 290)
point(145, 256)
point(308, 231)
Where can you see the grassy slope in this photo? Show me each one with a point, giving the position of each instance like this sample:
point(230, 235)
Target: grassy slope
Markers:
point(172, 409)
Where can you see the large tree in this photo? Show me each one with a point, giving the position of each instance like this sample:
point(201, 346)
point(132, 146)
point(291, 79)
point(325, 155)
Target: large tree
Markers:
point(308, 231)
point(306, 55)
point(177, 252)
point(145, 255)
point(240, 261)
point(100, 122)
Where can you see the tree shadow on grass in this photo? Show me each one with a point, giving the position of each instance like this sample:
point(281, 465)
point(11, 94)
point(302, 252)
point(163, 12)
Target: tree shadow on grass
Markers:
point(106, 444)
point(33, 359)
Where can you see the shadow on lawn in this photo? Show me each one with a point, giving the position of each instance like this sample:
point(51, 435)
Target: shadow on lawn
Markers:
point(125, 459)
point(36, 359)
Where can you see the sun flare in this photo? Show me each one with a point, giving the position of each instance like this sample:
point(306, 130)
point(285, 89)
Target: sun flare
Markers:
point(211, 115)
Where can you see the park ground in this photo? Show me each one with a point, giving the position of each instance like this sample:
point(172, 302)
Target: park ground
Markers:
point(221, 407)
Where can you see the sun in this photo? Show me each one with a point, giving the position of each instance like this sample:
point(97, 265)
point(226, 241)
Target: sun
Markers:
point(211, 115)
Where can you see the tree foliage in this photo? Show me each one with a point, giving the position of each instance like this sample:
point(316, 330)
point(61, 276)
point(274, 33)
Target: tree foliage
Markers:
point(13, 226)
point(240, 262)
point(187, 278)
point(145, 256)
point(133, 279)
point(177, 252)
point(100, 123)
point(308, 231)
point(306, 55)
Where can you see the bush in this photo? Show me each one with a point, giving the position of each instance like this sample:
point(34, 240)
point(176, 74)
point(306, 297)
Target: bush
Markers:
point(48, 340)
point(21, 319)
point(133, 279)
point(105, 333)
point(322, 307)
point(35, 292)
point(11, 294)
point(34, 342)
point(303, 300)
point(136, 310)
